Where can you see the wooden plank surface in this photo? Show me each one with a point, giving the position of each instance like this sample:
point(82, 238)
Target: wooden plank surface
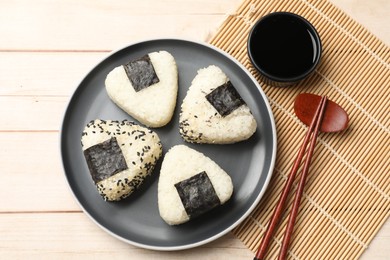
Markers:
point(46, 48)
point(103, 25)
point(73, 235)
point(44, 73)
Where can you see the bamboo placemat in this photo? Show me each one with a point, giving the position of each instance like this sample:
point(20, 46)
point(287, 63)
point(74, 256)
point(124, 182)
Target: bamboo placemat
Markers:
point(346, 198)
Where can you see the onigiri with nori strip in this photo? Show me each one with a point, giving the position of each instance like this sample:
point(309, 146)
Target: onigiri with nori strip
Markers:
point(213, 111)
point(119, 156)
point(190, 185)
point(146, 88)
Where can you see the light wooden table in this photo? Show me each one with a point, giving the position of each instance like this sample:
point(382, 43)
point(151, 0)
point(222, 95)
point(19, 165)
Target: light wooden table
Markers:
point(46, 47)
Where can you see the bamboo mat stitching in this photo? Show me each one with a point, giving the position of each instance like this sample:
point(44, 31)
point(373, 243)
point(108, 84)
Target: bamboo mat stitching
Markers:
point(357, 105)
point(344, 161)
point(332, 150)
point(354, 170)
point(322, 210)
point(326, 214)
point(348, 34)
point(337, 223)
point(311, 200)
point(245, 18)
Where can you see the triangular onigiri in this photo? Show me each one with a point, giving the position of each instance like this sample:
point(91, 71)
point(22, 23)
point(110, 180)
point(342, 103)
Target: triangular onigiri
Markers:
point(213, 111)
point(119, 156)
point(146, 88)
point(190, 184)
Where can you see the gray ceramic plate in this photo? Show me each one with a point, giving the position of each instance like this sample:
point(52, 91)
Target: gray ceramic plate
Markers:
point(136, 219)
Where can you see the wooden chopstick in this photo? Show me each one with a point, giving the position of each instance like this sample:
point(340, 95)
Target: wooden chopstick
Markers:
point(283, 197)
point(302, 181)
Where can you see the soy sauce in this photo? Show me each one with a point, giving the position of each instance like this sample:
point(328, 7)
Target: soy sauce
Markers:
point(284, 47)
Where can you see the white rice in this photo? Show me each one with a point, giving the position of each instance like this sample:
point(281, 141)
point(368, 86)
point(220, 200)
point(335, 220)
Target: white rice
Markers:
point(140, 147)
point(181, 163)
point(154, 105)
point(199, 120)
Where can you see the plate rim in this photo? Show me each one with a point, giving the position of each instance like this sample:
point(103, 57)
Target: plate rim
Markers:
point(243, 216)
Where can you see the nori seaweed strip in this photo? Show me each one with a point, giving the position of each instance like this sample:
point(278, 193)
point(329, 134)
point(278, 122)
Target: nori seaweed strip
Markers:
point(105, 159)
point(141, 73)
point(225, 99)
point(197, 194)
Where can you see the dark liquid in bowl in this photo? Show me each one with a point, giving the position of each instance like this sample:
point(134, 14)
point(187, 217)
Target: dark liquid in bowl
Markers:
point(284, 47)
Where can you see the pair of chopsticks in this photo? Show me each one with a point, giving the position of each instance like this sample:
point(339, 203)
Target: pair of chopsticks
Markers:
point(311, 136)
